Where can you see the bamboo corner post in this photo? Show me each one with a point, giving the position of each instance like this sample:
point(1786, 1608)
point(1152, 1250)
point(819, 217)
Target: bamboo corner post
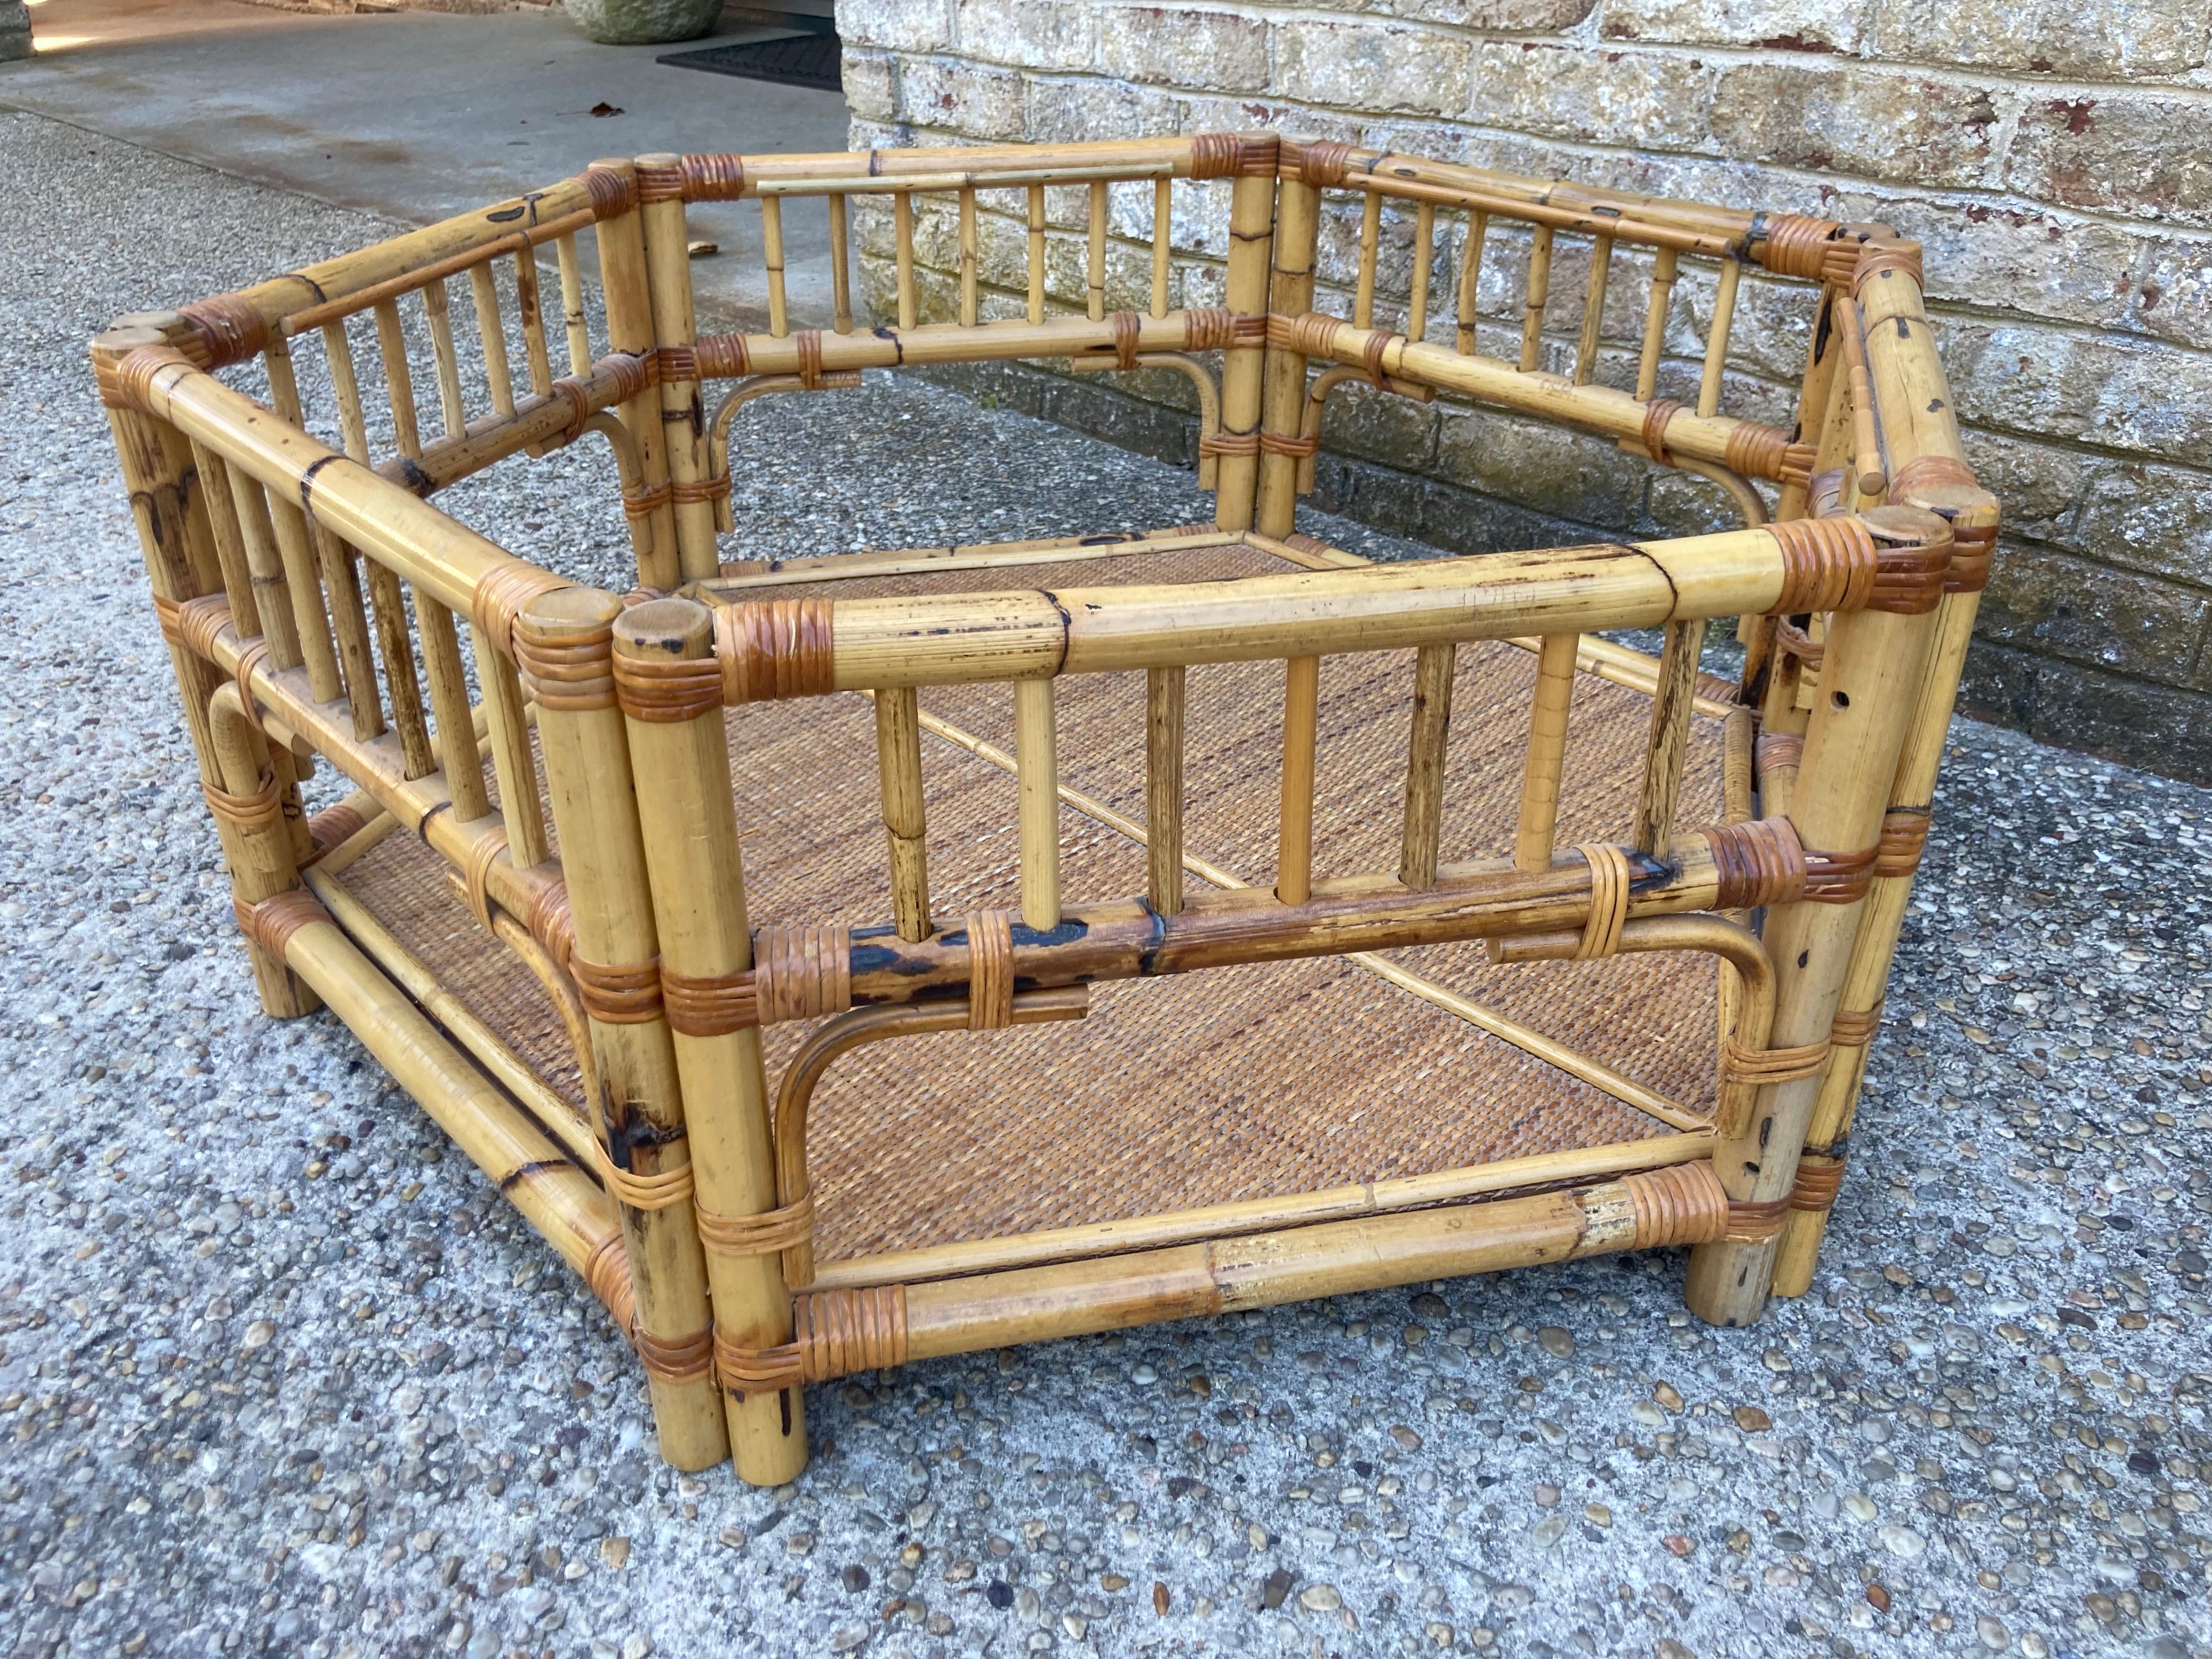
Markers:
point(671, 689)
point(1875, 661)
point(627, 290)
point(1297, 209)
point(1251, 229)
point(683, 412)
point(565, 643)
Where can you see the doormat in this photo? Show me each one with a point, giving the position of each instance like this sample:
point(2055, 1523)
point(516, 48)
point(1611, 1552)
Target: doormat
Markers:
point(802, 60)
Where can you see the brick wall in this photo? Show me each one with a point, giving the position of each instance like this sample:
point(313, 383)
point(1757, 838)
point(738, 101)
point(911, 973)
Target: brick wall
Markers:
point(2055, 159)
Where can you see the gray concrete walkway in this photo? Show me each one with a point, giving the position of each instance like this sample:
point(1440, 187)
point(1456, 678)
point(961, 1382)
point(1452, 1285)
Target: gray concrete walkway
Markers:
point(419, 115)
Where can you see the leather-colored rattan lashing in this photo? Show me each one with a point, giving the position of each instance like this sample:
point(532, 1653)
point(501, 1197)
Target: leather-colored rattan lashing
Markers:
point(272, 922)
point(1796, 244)
point(1839, 877)
point(808, 343)
point(262, 810)
point(776, 649)
point(659, 180)
point(573, 674)
point(613, 192)
point(1851, 1028)
point(800, 973)
point(1755, 863)
point(474, 874)
point(503, 593)
point(1608, 903)
point(551, 925)
point(1926, 472)
point(1909, 580)
point(1679, 1204)
point(713, 177)
point(1904, 839)
point(617, 995)
point(1764, 1067)
point(1972, 552)
point(1827, 564)
point(1777, 749)
point(643, 500)
point(676, 1359)
point(335, 825)
point(1216, 328)
point(1127, 326)
point(1372, 354)
point(717, 356)
point(1877, 259)
point(771, 1232)
point(709, 1005)
point(664, 1189)
point(1656, 414)
point(606, 1273)
point(1819, 1177)
point(990, 970)
point(1750, 1223)
point(1321, 162)
point(834, 1333)
point(227, 329)
point(667, 691)
point(1230, 443)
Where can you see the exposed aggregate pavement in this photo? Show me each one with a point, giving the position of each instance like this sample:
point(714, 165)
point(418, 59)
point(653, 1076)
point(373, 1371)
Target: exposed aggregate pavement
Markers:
point(279, 1373)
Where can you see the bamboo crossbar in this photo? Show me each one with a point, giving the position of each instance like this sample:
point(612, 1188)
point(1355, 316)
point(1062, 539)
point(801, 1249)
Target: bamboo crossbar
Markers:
point(312, 602)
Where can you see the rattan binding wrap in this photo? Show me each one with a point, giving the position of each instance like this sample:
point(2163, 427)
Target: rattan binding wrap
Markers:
point(1827, 564)
point(1755, 863)
point(709, 1005)
point(1839, 877)
point(1820, 1177)
point(678, 1359)
point(833, 1334)
point(1681, 1204)
point(272, 922)
point(775, 648)
point(503, 593)
point(1903, 840)
point(1855, 1028)
point(1608, 903)
point(990, 970)
point(227, 329)
point(617, 995)
point(335, 825)
point(606, 1274)
point(667, 691)
point(771, 1232)
point(244, 814)
point(1656, 414)
point(573, 674)
point(1763, 1067)
point(801, 973)
point(1756, 1223)
point(664, 1189)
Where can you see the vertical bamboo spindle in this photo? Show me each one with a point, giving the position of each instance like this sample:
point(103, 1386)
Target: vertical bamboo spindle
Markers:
point(1094, 254)
point(1037, 253)
point(528, 307)
point(238, 585)
point(1037, 760)
point(513, 762)
point(968, 259)
point(572, 321)
point(1370, 241)
point(1874, 662)
point(399, 381)
point(1539, 292)
point(779, 321)
point(1669, 743)
point(311, 623)
point(341, 577)
point(683, 417)
point(596, 804)
point(1282, 472)
point(1470, 279)
point(1547, 748)
point(345, 386)
point(898, 769)
point(389, 602)
point(1162, 242)
point(902, 232)
point(1655, 323)
point(1425, 255)
point(156, 463)
point(1164, 710)
point(1301, 720)
point(438, 309)
point(1717, 337)
point(1251, 224)
point(840, 265)
point(629, 297)
point(491, 330)
point(261, 857)
point(1424, 765)
point(449, 702)
point(1592, 310)
point(696, 868)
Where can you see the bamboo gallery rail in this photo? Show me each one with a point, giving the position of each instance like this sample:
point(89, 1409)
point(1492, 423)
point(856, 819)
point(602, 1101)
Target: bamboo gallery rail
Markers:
point(1032, 820)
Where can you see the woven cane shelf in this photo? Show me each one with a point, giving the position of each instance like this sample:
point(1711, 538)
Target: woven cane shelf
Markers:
point(856, 959)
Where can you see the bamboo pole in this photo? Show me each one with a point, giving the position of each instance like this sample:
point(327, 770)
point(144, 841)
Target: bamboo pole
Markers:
point(1667, 747)
point(398, 380)
point(898, 765)
point(1470, 281)
point(1425, 254)
point(1424, 767)
point(491, 331)
point(1036, 261)
point(1717, 337)
point(240, 585)
point(1592, 310)
point(967, 258)
point(1164, 690)
point(1655, 323)
point(1540, 290)
point(1545, 757)
point(627, 292)
point(1094, 254)
point(438, 311)
point(683, 417)
point(691, 853)
point(449, 702)
point(400, 684)
point(1036, 748)
point(1298, 227)
point(572, 321)
point(1371, 237)
point(779, 322)
point(531, 311)
point(902, 234)
point(311, 625)
point(1251, 224)
point(1301, 720)
point(603, 858)
point(514, 763)
point(1162, 242)
point(1874, 661)
point(840, 265)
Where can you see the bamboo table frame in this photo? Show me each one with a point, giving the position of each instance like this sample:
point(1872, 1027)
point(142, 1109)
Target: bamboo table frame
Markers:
point(284, 569)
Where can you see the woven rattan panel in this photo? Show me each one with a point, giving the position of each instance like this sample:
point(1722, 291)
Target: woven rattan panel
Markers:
point(1241, 1083)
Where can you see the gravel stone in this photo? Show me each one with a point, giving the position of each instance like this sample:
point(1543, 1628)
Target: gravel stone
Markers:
point(259, 1336)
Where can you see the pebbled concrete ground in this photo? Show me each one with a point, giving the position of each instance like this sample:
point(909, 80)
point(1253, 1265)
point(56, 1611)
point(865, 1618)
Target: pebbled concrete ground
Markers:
point(280, 1375)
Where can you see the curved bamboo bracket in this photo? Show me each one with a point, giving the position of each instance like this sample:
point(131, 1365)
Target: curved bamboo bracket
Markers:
point(1748, 501)
point(745, 391)
point(856, 1030)
point(1318, 395)
point(1209, 399)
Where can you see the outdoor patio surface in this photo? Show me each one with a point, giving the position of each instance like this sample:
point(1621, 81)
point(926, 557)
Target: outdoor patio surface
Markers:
point(279, 1373)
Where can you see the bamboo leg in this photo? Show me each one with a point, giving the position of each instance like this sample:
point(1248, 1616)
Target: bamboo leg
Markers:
point(627, 291)
point(1251, 223)
point(1540, 290)
point(1036, 751)
point(1668, 745)
point(1592, 310)
point(840, 268)
point(491, 330)
point(779, 320)
point(1547, 749)
point(1164, 749)
point(1036, 253)
point(1425, 767)
point(603, 859)
point(1297, 225)
point(1470, 279)
point(898, 764)
point(1874, 664)
point(1655, 323)
point(573, 322)
point(691, 853)
point(1301, 716)
point(683, 418)
point(260, 855)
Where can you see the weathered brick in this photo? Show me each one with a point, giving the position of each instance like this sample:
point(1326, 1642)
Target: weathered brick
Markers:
point(1512, 16)
point(2088, 613)
point(2149, 518)
point(970, 98)
point(2096, 388)
point(1533, 464)
point(1789, 25)
point(2037, 485)
point(1914, 128)
point(1075, 110)
point(2058, 266)
point(1651, 99)
point(2085, 707)
point(2129, 150)
point(1379, 426)
point(1373, 65)
point(2095, 42)
point(1038, 34)
point(1183, 46)
point(895, 24)
point(2173, 299)
point(870, 84)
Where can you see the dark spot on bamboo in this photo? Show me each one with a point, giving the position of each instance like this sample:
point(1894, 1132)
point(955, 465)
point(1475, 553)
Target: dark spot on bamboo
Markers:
point(1935, 403)
point(505, 216)
point(307, 480)
point(516, 1176)
point(423, 825)
point(881, 930)
point(1903, 329)
point(1804, 957)
point(1766, 1129)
